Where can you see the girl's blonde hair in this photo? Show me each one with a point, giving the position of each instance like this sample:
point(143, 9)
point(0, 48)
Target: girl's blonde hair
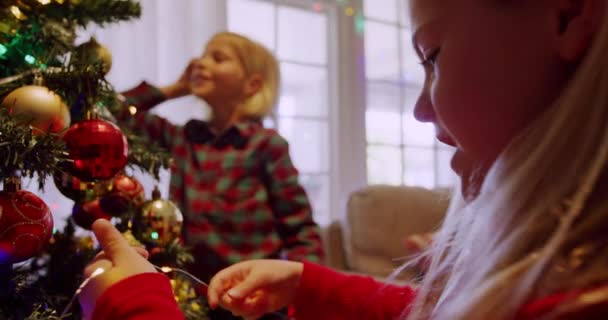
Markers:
point(256, 59)
point(538, 207)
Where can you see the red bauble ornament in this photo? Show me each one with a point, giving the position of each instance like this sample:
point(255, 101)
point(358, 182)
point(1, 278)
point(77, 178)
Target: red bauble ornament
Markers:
point(26, 224)
point(84, 214)
point(126, 192)
point(98, 149)
point(79, 190)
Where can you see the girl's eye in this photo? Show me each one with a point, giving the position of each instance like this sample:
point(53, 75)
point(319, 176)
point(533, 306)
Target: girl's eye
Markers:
point(218, 57)
point(431, 59)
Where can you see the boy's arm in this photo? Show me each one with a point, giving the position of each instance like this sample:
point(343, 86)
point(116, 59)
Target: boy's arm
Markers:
point(135, 116)
point(290, 205)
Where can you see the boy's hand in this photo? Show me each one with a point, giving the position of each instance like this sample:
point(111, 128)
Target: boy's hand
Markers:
point(181, 87)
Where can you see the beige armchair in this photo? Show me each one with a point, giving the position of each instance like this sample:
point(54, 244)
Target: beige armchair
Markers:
point(371, 239)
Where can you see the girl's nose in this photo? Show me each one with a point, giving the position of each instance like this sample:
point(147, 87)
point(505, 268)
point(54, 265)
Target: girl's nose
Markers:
point(199, 63)
point(423, 111)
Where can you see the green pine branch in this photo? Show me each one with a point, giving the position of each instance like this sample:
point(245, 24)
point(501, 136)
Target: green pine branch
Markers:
point(43, 155)
point(149, 157)
point(37, 37)
point(80, 12)
point(26, 154)
point(41, 34)
point(69, 82)
point(42, 287)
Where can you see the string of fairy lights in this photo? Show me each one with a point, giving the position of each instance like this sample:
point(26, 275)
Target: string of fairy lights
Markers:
point(347, 8)
point(20, 16)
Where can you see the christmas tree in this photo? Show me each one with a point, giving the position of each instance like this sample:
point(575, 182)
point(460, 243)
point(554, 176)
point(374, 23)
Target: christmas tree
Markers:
point(56, 121)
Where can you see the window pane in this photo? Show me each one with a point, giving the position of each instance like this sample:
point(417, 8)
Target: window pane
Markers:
point(404, 13)
point(419, 167)
point(413, 72)
point(381, 51)
point(415, 133)
point(304, 91)
point(445, 175)
point(382, 117)
point(269, 122)
point(302, 35)
point(385, 10)
point(384, 165)
point(254, 19)
point(317, 189)
point(308, 143)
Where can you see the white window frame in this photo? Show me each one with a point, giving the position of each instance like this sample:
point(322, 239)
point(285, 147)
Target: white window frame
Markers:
point(346, 114)
point(437, 147)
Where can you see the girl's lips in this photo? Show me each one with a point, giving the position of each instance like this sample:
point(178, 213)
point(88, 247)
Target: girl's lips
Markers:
point(200, 76)
point(198, 79)
point(455, 163)
point(444, 138)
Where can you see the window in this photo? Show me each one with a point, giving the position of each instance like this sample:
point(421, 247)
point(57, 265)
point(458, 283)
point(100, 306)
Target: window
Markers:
point(400, 150)
point(297, 32)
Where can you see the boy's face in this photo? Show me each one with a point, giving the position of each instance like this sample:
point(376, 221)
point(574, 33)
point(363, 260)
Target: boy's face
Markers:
point(490, 68)
point(218, 77)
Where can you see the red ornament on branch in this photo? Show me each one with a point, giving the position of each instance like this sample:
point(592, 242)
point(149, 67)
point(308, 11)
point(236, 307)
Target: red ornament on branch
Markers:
point(84, 214)
point(98, 149)
point(79, 190)
point(26, 223)
point(126, 192)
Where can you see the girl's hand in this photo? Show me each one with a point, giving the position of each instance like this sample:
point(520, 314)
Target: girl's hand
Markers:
point(118, 260)
point(253, 288)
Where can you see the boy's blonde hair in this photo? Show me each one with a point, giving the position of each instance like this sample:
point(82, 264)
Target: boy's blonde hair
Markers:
point(256, 59)
point(539, 223)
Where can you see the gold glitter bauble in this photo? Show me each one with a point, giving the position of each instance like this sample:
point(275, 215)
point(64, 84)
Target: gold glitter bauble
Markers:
point(44, 110)
point(159, 221)
point(91, 52)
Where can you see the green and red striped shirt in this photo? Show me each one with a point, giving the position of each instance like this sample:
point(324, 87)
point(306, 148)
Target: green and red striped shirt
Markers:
point(239, 191)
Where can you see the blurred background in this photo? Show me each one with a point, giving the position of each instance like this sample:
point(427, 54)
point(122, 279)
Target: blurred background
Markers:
point(350, 79)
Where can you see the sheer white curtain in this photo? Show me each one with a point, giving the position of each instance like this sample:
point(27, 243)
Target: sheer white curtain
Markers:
point(158, 46)
point(155, 48)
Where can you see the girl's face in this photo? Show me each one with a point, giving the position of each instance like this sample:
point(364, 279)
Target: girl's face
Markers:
point(219, 77)
point(491, 69)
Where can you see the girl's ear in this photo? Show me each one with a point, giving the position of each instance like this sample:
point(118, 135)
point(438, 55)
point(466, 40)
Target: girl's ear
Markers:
point(253, 84)
point(576, 23)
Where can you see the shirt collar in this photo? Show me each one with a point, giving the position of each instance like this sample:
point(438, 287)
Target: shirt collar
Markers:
point(198, 131)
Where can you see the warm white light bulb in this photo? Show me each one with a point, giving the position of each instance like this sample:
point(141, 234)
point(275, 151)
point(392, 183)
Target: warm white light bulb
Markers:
point(97, 272)
point(132, 110)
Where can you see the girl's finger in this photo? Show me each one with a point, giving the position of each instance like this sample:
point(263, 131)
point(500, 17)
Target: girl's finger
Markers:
point(104, 264)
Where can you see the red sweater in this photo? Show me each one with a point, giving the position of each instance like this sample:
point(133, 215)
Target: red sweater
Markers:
point(147, 296)
point(325, 294)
